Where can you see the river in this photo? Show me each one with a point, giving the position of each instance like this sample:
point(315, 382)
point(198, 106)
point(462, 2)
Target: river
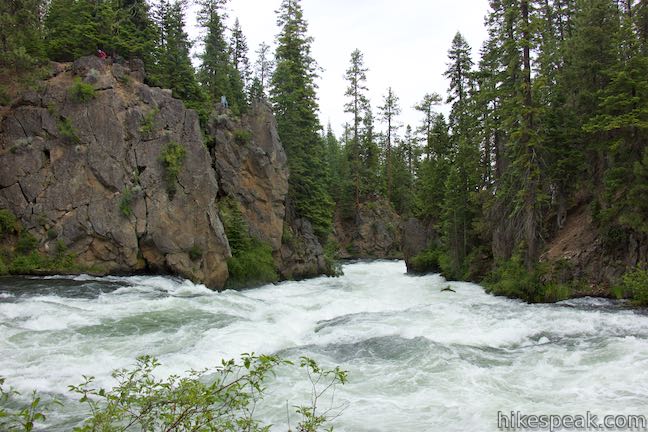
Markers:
point(418, 358)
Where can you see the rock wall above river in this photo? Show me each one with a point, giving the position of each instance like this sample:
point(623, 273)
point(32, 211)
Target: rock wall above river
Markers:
point(98, 173)
point(373, 231)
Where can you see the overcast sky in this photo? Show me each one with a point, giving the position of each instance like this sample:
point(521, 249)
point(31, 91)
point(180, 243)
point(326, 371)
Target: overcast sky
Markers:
point(405, 44)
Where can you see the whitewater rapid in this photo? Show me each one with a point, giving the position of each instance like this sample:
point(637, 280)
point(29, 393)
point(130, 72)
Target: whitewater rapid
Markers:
point(418, 358)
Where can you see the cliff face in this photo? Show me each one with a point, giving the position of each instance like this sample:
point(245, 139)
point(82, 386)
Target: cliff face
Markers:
point(252, 168)
point(373, 232)
point(417, 237)
point(123, 178)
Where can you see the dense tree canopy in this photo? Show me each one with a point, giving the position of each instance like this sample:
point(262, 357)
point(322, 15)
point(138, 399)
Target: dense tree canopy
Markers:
point(293, 95)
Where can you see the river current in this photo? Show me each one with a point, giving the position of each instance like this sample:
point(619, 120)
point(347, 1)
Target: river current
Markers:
point(419, 358)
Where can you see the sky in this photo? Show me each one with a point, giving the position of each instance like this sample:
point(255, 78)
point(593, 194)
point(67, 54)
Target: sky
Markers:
point(405, 45)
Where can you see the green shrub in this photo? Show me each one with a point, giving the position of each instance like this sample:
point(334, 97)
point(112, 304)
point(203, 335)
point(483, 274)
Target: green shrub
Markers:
point(195, 253)
point(172, 159)
point(252, 266)
point(27, 264)
point(60, 262)
point(149, 121)
point(5, 99)
point(82, 92)
point(555, 292)
point(426, 261)
point(67, 130)
point(512, 279)
point(126, 202)
point(236, 229)
point(287, 235)
point(331, 258)
point(221, 399)
point(251, 262)
point(635, 282)
point(14, 416)
point(3, 267)
point(21, 59)
point(242, 136)
point(52, 233)
point(26, 243)
point(7, 222)
point(124, 79)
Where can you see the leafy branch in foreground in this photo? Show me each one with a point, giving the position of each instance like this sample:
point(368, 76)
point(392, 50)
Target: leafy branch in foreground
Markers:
point(15, 417)
point(322, 381)
point(222, 399)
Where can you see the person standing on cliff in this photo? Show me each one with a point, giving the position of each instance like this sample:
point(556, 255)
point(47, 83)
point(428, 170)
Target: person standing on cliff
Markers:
point(224, 102)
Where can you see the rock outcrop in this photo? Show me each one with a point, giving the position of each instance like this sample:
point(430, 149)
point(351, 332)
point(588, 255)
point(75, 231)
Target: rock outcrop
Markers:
point(89, 173)
point(417, 237)
point(302, 255)
point(373, 232)
point(119, 173)
point(251, 166)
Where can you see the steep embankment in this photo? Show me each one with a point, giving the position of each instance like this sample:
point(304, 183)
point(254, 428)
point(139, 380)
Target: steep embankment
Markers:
point(599, 259)
point(119, 174)
point(577, 253)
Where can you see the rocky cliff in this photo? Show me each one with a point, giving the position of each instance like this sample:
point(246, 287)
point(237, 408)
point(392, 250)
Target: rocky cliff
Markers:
point(251, 167)
point(373, 231)
point(120, 173)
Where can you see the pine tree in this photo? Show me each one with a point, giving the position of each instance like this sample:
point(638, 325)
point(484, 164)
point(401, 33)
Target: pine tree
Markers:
point(356, 106)
point(433, 172)
point(370, 182)
point(426, 107)
point(240, 76)
point(21, 30)
point(70, 30)
point(295, 106)
point(403, 180)
point(215, 70)
point(389, 111)
point(173, 68)
point(334, 156)
point(459, 73)
point(239, 49)
point(135, 35)
point(263, 68)
point(620, 130)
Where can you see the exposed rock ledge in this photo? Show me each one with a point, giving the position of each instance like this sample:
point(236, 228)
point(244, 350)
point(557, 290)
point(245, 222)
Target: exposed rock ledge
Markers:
point(89, 174)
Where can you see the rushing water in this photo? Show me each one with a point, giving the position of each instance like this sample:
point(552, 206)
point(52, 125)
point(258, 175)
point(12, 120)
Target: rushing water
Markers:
point(418, 358)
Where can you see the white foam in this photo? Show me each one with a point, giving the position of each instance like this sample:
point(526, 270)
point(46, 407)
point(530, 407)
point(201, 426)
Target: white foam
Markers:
point(417, 356)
